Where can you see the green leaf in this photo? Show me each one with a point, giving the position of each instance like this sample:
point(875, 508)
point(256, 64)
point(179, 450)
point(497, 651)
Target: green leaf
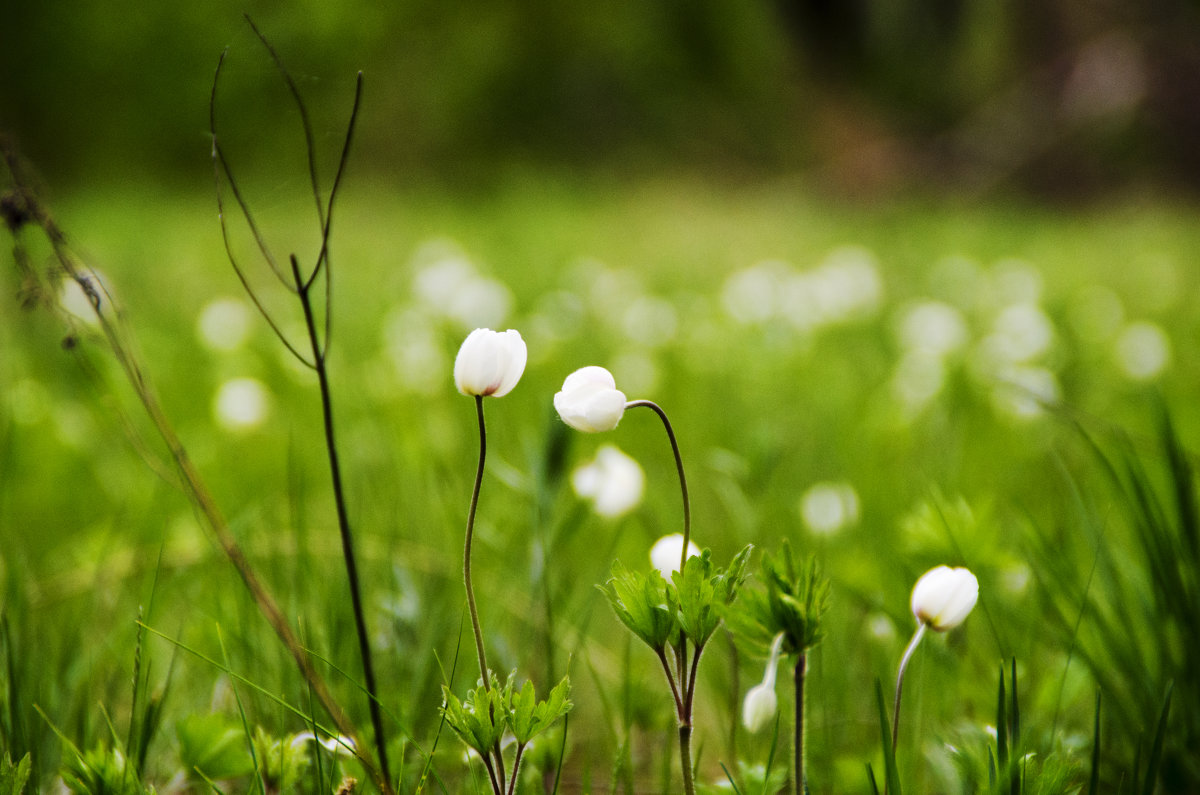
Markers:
point(14, 777)
point(480, 720)
point(213, 746)
point(891, 773)
point(643, 603)
point(531, 717)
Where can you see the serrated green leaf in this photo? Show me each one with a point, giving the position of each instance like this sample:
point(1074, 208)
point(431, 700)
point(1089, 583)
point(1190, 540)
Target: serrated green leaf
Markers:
point(481, 719)
point(531, 717)
point(643, 603)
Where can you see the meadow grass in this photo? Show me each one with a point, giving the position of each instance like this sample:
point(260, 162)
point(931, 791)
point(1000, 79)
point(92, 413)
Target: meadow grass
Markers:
point(780, 330)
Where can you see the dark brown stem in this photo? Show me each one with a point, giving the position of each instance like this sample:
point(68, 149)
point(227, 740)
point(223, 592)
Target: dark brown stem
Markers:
point(343, 517)
point(798, 676)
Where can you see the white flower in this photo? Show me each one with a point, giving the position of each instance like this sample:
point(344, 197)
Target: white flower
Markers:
point(241, 404)
point(761, 702)
point(590, 401)
point(759, 706)
point(943, 597)
point(490, 362)
point(612, 481)
point(340, 745)
point(667, 553)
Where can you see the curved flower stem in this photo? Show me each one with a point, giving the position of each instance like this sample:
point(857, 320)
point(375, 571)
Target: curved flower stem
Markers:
point(483, 666)
point(687, 506)
point(908, 653)
point(662, 657)
point(339, 496)
point(799, 674)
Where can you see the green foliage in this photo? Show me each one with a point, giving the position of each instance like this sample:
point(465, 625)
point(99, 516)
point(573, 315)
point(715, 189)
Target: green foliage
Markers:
point(488, 712)
point(689, 607)
point(791, 600)
point(213, 747)
point(13, 777)
point(531, 717)
point(1127, 617)
point(643, 602)
point(102, 771)
point(705, 592)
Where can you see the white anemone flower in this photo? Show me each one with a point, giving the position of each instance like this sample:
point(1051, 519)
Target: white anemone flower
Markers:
point(761, 702)
point(589, 400)
point(612, 481)
point(943, 597)
point(490, 363)
point(667, 552)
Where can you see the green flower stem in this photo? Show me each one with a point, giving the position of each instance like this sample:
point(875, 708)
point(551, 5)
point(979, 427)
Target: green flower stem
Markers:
point(908, 653)
point(662, 657)
point(687, 507)
point(512, 784)
point(799, 674)
point(685, 758)
point(483, 666)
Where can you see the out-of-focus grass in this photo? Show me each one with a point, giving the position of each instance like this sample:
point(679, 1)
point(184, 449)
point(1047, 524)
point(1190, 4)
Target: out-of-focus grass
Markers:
point(794, 341)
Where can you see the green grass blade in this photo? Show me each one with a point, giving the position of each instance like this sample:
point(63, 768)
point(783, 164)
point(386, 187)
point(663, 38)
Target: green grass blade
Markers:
point(1156, 749)
point(1094, 777)
point(891, 774)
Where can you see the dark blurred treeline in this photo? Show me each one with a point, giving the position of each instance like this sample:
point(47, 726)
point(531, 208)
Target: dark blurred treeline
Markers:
point(1069, 97)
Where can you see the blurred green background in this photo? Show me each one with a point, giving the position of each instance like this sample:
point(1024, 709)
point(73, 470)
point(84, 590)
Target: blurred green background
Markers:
point(892, 250)
point(1058, 97)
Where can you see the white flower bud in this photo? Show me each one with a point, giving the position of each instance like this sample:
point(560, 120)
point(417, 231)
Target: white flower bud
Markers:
point(943, 597)
point(590, 401)
point(759, 707)
point(667, 552)
point(490, 362)
point(612, 481)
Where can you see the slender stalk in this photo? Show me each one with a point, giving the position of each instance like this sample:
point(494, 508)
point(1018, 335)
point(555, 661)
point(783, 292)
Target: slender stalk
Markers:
point(908, 653)
point(687, 506)
point(483, 666)
point(343, 517)
point(685, 758)
point(662, 657)
point(798, 675)
point(512, 784)
point(190, 481)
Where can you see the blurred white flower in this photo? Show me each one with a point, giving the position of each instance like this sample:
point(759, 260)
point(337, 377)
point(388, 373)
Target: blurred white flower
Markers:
point(761, 702)
point(650, 321)
point(612, 481)
point(224, 324)
point(490, 363)
point(414, 351)
point(667, 553)
point(918, 379)
point(1015, 281)
point(828, 507)
point(931, 327)
point(340, 745)
point(752, 295)
point(759, 707)
point(1024, 392)
point(1142, 350)
point(848, 284)
point(589, 400)
point(1020, 333)
point(449, 283)
point(943, 597)
point(241, 404)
